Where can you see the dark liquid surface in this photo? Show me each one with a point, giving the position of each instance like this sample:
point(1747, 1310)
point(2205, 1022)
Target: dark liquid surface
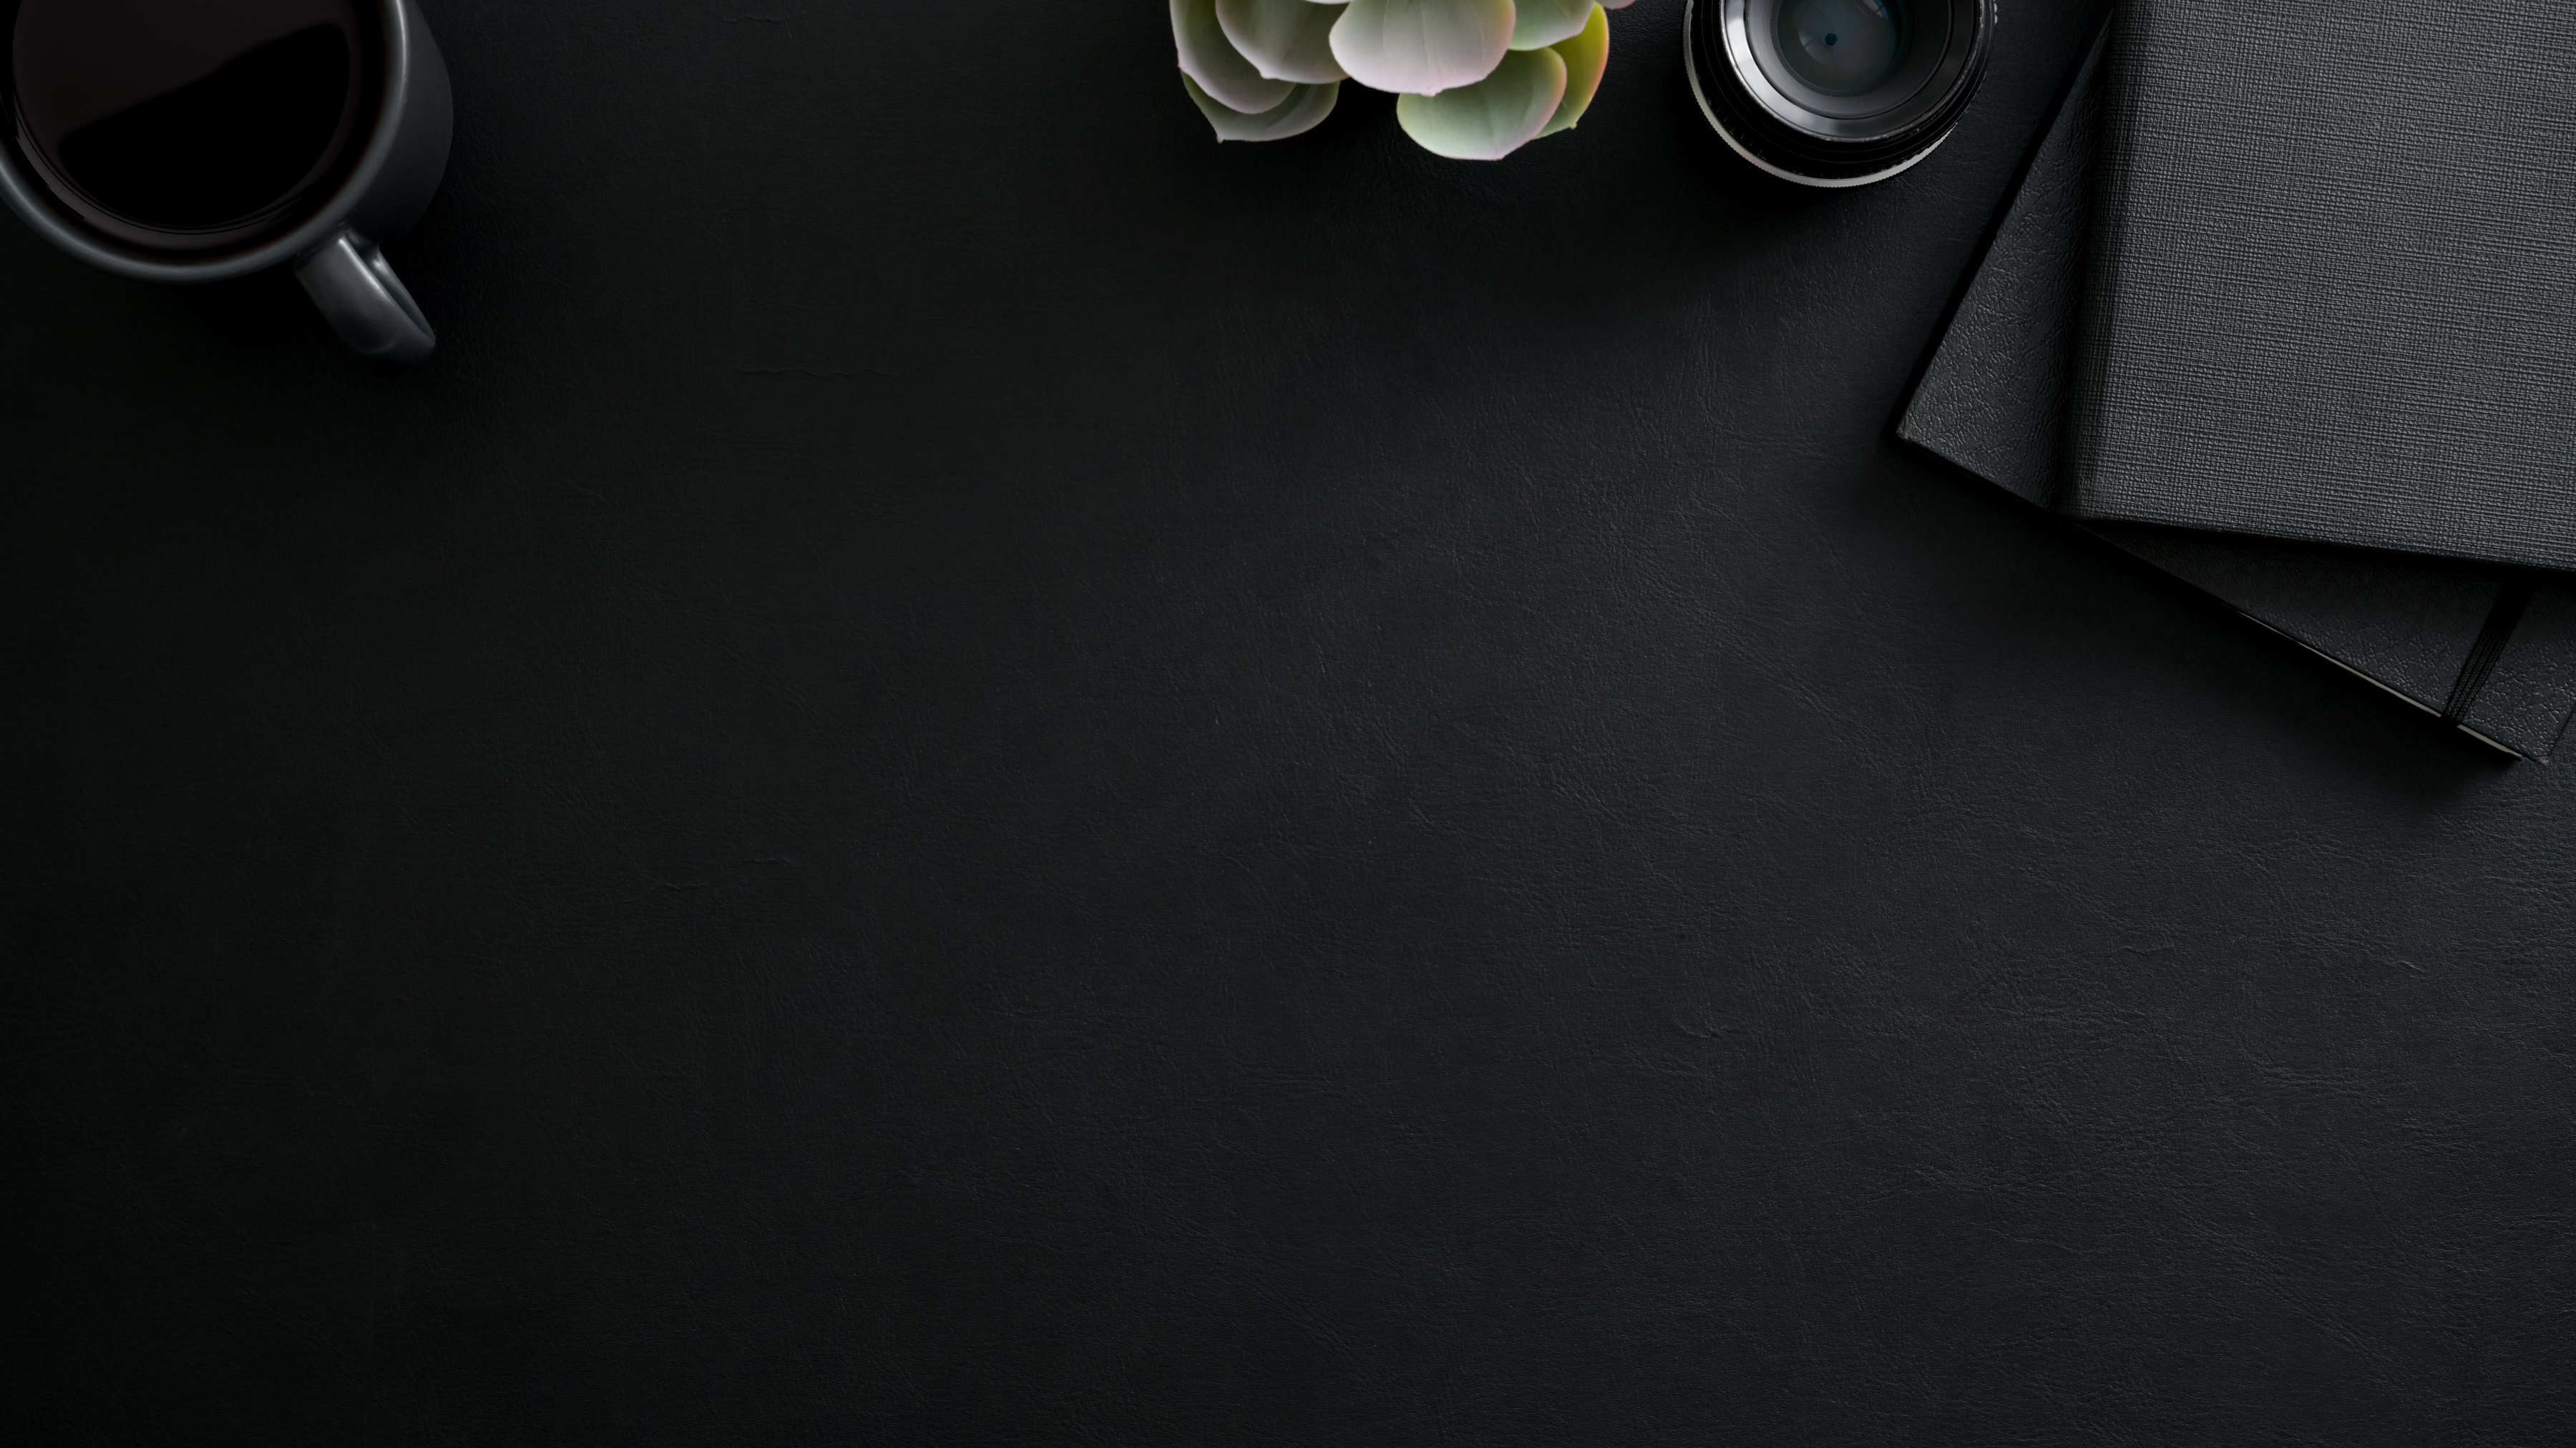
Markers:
point(191, 125)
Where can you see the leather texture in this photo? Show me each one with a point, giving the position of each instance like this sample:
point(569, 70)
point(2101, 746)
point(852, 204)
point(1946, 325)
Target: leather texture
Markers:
point(969, 770)
point(2331, 298)
point(1993, 399)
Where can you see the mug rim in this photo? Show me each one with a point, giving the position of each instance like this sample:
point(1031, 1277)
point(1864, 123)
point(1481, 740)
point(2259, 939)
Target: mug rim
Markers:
point(28, 199)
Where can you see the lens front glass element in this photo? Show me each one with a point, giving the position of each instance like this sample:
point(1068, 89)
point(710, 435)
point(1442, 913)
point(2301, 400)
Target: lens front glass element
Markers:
point(1844, 47)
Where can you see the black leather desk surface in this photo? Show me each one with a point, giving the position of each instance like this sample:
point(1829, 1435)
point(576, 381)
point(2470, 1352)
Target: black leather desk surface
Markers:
point(971, 772)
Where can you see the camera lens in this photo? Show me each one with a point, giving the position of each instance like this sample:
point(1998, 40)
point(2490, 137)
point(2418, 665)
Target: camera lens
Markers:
point(183, 126)
point(1836, 92)
point(1843, 47)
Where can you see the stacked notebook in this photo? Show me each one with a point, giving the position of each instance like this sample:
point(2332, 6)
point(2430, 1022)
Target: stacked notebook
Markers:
point(2303, 337)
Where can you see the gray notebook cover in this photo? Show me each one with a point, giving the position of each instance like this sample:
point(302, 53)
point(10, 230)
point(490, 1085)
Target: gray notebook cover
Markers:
point(2333, 284)
point(2467, 641)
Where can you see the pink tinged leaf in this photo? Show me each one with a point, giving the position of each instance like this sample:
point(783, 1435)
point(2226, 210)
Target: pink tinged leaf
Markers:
point(1545, 22)
point(1303, 111)
point(1492, 118)
point(1422, 47)
point(1288, 40)
point(1211, 60)
point(1586, 56)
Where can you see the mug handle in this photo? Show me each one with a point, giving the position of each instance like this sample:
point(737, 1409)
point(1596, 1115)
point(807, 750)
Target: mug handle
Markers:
point(366, 303)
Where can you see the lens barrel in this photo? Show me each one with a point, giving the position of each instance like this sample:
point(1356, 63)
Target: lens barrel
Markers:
point(1836, 92)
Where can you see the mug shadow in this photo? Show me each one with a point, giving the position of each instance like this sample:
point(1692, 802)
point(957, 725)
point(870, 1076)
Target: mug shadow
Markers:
point(267, 306)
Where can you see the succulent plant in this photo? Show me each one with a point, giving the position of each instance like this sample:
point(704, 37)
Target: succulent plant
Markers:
point(1477, 79)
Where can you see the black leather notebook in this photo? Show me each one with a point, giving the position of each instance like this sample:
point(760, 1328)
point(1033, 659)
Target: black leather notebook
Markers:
point(2333, 285)
point(2491, 649)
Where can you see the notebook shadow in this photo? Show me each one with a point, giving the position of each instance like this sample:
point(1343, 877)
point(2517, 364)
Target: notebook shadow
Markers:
point(2188, 639)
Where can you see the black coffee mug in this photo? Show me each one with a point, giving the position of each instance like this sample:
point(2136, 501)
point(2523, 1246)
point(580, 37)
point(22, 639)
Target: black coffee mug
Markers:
point(1836, 92)
point(196, 140)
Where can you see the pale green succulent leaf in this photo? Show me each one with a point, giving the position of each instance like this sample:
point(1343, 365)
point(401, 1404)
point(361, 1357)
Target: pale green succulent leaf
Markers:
point(1289, 40)
point(1303, 111)
point(1545, 22)
point(1422, 47)
point(1585, 57)
point(1211, 60)
point(1492, 118)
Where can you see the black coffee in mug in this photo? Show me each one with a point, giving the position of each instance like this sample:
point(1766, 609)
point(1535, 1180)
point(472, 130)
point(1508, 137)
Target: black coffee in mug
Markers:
point(191, 141)
point(192, 126)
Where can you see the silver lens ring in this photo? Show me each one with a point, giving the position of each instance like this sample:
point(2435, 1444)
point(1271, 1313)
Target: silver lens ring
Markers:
point(1836, 92)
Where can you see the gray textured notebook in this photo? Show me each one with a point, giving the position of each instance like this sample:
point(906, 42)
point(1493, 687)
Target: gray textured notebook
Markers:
point(2333, 284)
point(2493, 652)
